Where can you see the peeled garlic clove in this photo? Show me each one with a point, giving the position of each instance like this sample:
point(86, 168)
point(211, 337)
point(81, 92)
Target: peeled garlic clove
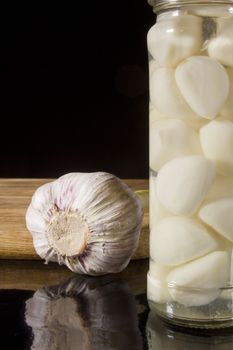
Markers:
point(157, 290)
point(155, 115)
point(198, 282)
point(194, 297)
point(158, 271)
point(170, 46)
point(209, 271)
point(89, 222)
point(177, 240)
point(221, 47)
point(193, 121)
point(219, 216)
point(217, 143)
point(183, 183)
point(170, 139)
point(204, 84)
point(152, 66)
point(227, 110)
point(165, 95)
point(222, 188)
point(157, 211)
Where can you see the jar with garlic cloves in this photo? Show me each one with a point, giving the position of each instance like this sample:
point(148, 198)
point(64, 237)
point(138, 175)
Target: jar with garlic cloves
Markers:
point(190, 278)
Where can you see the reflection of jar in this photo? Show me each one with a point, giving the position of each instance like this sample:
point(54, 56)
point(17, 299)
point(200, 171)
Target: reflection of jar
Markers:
point(191, 162)
point(162, 336)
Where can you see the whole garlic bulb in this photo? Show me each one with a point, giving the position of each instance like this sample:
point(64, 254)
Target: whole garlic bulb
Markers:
point(88, 221)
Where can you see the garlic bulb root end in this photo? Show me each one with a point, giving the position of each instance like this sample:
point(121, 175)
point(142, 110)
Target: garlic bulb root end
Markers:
point(67, 233)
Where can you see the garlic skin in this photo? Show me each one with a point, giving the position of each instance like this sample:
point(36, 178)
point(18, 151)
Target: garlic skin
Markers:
point(88, 221)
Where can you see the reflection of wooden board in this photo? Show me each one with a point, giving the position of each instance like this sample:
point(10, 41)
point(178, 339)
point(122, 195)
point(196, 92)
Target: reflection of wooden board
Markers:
point(15, 196)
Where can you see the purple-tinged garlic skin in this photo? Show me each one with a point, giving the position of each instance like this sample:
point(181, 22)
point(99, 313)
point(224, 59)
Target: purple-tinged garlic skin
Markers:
point(88, 221)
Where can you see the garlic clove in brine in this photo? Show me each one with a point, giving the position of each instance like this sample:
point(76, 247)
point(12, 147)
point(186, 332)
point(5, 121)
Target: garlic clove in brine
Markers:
point(221, 46)
point(157, 289)
point(218, 215)
point(199, 282)
point(88, 221)
point(204, 84)
point(183, 183)
point(217, 143)
point(171, 138)
point(170, 41)
point(177, 240)
point(227, 110)
point(166, 97)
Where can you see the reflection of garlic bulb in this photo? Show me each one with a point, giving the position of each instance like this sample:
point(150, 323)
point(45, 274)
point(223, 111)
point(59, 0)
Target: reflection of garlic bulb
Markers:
point(89, 222)
point(84, 313)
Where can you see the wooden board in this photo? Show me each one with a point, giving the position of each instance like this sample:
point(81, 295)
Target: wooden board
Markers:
point(33, 275)
point(15, 196)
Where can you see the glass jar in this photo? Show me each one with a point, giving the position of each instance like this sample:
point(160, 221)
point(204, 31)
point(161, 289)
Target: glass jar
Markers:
point(163, 336)
point(191, 162)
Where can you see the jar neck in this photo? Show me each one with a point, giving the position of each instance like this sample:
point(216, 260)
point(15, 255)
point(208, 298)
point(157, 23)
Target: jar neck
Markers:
point(163, 5)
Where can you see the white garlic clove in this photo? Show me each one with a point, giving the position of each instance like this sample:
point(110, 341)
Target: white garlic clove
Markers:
point(155, 115)
point(165, 95)
point(197, 282)
point(171, 40)
point(217, 143)
point(194, 297)
point(183, 183)
point(193, 121)
point(89, 222)
point(227, 110)
point(221, 47)
point(152, 66)
point(177, 240)
point(219, 216)
point(157, 290)
point(157, 211)
point(222, 188)
point(204, 84)
point(158, 271)
point(169, 139)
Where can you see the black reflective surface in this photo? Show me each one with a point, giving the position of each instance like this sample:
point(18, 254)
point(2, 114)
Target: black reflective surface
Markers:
point(109, 312)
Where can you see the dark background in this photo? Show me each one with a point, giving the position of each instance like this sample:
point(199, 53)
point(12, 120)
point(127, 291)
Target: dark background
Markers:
point(74, 83)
